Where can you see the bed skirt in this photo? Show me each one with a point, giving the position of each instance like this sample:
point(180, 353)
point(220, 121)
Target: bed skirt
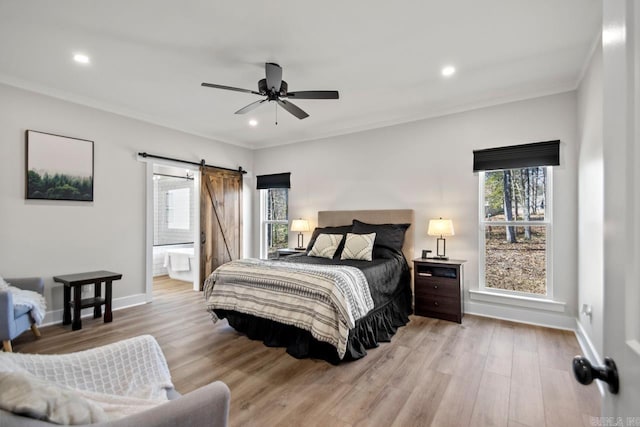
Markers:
point(376, 327)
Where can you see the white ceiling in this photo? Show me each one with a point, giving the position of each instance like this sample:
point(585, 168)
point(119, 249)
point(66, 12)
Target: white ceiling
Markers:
point(148, 58)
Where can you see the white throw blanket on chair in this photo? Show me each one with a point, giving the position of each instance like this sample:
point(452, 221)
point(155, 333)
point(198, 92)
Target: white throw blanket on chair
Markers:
point(117, 380)
point(33, 300)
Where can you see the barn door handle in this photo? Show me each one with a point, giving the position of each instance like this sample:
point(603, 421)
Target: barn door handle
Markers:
point(585, 373)
point(203, 238)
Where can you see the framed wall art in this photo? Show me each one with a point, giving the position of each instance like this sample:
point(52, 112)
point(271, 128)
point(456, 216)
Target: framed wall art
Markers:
point(58, 167)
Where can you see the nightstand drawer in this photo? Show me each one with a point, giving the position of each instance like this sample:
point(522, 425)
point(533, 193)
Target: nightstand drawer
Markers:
point(438, 304)
point(441, 281)
point(437, 287)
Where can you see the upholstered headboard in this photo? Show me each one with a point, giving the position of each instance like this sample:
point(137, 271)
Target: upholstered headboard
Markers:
point(388, 216)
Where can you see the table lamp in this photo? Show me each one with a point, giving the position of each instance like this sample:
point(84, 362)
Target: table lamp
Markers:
point(300, 225)
point(440, 227)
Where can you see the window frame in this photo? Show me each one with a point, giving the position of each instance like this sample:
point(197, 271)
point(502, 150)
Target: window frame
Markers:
point(264, 222)
point(547, 223)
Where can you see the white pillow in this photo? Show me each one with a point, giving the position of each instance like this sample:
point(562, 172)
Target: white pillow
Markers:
point(358, 246)
point(25, 394)
point(3, 283)
point(325, 245)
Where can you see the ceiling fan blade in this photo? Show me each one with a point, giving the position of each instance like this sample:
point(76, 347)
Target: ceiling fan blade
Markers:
point(314, 94)
point(274, 76)
point(237, 89)
point(250, 107)
point(293, 109)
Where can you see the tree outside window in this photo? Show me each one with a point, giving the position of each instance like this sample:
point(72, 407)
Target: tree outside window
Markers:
point(515, 228)
point(275, 221)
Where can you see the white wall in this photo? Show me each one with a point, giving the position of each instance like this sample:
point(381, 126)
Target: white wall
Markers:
point(424, 165)
point(427, 166)
point(591, 201)
point(47, 238)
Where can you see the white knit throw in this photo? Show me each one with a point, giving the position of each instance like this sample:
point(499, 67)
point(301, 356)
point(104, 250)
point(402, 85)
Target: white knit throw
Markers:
point(122, 378)
point(33, 300)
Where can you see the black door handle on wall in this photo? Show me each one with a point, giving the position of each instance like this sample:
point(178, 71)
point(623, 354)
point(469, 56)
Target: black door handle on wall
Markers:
point(585, 373)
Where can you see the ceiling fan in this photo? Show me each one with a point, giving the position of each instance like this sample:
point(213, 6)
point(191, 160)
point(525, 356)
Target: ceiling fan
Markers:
point(274, 88)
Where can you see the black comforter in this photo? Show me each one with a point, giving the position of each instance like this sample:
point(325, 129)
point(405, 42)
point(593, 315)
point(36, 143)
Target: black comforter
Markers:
point(390, 284)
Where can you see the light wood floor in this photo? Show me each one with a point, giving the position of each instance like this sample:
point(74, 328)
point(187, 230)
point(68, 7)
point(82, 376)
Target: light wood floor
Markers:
point(438, 373)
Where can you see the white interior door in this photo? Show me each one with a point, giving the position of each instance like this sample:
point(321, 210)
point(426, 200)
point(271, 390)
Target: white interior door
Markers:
point(621, 25)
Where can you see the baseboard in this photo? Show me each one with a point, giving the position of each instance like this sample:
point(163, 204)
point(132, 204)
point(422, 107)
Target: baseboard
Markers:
point(521, 315)
point(55, 316)
point(589, 350)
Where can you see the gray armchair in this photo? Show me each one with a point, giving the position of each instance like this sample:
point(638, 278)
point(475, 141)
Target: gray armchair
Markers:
point(206, 406)
point(15, 320)
point(134, 368)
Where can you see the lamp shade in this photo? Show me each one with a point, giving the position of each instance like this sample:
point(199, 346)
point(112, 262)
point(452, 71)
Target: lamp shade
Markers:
point(299, 225)
point(440, 227)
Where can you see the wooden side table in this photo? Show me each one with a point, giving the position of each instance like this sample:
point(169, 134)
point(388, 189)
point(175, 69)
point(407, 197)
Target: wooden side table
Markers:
point(77, 281)
point(438, 286)
point(290, 251)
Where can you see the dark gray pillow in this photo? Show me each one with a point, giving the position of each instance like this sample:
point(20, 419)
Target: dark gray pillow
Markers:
point(387, 235)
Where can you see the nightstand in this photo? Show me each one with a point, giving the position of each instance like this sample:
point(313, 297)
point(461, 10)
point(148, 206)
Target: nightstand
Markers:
point(438, 288)
point(290, 251)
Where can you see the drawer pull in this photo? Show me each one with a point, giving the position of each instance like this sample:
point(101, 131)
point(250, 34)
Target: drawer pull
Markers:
point(436, 303)
point(425, 274)
point(435, 286)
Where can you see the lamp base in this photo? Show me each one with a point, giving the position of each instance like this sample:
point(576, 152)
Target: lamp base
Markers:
point(441, 254)
point(441, 258)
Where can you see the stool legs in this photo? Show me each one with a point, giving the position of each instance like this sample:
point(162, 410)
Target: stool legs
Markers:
point(66, 312)
point(77, 298)
point(97, 309)
point(108, 317)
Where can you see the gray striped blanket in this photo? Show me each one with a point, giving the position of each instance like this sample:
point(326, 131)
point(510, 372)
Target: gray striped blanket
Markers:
point(325, 300)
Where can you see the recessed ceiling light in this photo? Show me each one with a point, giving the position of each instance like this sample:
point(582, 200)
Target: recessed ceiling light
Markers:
point(612, 34)
point(253, 122)
point(81, 58)
point(448, 71)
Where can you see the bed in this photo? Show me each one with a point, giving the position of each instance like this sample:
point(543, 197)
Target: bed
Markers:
point(388, 303)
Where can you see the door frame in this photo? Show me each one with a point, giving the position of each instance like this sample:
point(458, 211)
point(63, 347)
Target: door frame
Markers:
point(621, 129)
point(149, 221)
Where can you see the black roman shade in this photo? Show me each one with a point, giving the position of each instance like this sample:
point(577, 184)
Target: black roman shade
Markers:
point(517, 156)
point(276, 180)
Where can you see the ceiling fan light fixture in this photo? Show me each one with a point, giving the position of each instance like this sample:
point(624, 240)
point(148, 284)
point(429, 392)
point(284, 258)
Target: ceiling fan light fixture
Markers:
point(448, 71)
point(273, 88)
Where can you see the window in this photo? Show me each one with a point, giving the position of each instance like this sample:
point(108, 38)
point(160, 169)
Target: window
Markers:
point(274, 214)
point(515, 230)
point(178, 205)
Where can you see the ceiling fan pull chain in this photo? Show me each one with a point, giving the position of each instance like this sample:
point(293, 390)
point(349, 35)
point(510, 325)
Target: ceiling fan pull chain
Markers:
point(276, 114)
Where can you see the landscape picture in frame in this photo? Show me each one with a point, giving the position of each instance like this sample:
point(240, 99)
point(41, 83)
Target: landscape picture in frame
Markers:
point(59, 167)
